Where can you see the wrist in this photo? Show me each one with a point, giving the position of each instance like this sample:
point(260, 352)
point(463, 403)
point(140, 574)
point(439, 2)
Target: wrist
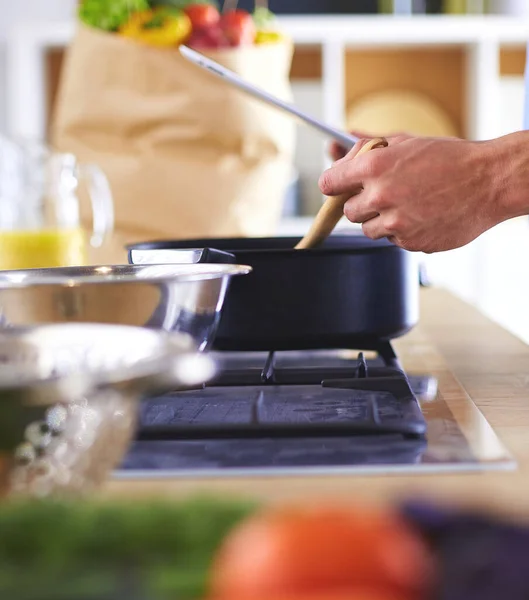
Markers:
point(507, 160)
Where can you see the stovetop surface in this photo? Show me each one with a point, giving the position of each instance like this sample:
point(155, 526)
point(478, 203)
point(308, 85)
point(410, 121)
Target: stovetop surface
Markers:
point(279, 405)
point(259, 417)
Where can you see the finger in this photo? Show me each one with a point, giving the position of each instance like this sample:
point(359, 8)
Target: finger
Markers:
point(398, 136)
point(343, 178)
point(375, 229)
point(358, 209)
point(353, 152)
point(369, 135)
point(337, 151)
point(346, 176)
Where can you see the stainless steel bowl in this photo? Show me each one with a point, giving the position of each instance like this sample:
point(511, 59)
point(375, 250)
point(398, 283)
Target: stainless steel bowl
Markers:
point(69, 399)
point(181, 298)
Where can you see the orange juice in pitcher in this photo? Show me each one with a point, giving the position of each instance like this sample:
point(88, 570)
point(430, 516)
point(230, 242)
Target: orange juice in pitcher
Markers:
point(40, 224)
point(42, 249)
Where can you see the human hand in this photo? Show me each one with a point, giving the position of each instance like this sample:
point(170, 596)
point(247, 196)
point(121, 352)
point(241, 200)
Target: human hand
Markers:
point(337, 151)
point(423, 194)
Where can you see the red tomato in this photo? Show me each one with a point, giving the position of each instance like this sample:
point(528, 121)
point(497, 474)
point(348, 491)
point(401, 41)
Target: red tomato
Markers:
point(238, 26)
point(343, 594)
point(304, 551)
point(202, 15)
point(211, 37)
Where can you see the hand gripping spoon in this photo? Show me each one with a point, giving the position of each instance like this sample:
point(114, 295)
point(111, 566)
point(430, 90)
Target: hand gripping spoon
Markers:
point(332, 210)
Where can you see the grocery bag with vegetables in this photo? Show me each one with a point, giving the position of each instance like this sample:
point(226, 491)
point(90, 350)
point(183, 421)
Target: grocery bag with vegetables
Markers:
point(186, 154)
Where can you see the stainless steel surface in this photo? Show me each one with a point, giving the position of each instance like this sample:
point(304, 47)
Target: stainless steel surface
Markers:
point(69, 399)
point(180, 298)
point(149, 257)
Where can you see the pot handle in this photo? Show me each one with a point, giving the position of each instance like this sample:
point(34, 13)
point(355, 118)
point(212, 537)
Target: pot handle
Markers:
point(154, 255)
point(424, 278)
point(212, 255)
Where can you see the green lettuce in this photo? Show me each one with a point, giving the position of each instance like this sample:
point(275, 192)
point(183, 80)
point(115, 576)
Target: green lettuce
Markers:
point(263, 18)
point(109, 15)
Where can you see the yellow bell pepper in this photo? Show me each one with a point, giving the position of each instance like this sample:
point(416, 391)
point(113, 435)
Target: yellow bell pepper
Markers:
point(160, 27)
point(268, 37)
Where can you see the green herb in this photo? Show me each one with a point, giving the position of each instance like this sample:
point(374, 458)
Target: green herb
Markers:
point(109, 15)
point(263, 17)
point(159, 549)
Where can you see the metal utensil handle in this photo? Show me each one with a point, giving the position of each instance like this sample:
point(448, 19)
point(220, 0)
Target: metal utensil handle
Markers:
point(332, 210)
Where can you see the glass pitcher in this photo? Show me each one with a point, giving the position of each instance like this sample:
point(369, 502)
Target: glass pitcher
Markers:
point(40, 209)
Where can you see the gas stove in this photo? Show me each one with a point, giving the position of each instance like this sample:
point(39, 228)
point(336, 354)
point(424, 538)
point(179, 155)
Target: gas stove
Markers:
point(280, 395)
point(295, 412)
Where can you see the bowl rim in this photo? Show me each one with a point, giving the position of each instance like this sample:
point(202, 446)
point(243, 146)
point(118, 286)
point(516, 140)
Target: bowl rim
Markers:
point(71, 277)
point(175, 352)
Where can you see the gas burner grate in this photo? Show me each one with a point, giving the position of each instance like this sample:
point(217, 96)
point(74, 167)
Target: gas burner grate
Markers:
point(292, 402)
point(268, 369)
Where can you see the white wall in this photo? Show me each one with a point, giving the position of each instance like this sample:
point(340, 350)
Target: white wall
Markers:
point(310, 145)
point(14, 12)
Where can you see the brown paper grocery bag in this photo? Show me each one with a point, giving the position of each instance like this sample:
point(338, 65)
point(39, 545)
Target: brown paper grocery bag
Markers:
point(186, 154)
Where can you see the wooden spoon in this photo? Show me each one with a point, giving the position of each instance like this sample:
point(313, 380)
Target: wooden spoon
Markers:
point(332, 210)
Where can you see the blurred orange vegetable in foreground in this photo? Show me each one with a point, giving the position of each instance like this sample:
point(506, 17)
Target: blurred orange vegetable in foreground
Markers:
point(316, 553)
point(351, 594)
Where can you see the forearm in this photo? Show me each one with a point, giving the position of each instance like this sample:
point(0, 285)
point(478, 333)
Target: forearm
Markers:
point(508, 160)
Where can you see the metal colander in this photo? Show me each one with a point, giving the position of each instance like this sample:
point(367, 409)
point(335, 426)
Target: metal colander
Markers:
point(69, 397)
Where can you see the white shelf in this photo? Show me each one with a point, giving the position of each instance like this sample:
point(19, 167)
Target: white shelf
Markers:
point(482, 35)
point(387, 30)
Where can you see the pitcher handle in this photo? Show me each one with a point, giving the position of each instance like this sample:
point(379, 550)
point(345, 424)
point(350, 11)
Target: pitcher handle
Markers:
point(102, 203)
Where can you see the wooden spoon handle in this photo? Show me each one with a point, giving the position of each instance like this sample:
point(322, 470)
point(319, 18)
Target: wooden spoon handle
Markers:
point(332, 210)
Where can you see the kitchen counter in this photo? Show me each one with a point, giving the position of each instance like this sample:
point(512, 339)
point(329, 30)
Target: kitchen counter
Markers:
point(463, 349)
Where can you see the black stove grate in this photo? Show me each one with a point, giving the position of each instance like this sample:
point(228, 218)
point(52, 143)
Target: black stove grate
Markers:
point(273, 397)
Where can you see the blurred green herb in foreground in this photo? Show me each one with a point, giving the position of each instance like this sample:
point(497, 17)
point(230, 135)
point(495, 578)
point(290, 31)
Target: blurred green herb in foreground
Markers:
point(157, 550)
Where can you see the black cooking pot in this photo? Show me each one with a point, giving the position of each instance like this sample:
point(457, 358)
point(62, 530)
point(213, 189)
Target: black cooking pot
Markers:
point(352, 292)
